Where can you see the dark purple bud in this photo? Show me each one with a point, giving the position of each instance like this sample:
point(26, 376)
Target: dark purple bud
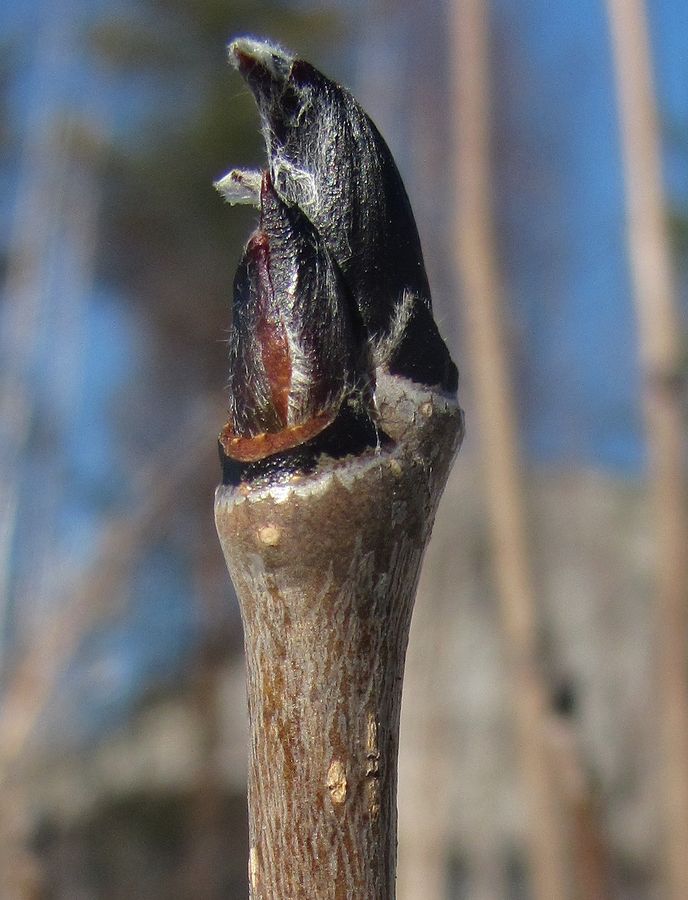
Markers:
point(293, 357)
point(327, 157)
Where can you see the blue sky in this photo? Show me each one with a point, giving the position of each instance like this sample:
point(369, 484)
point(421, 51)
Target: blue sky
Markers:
point(573, 297)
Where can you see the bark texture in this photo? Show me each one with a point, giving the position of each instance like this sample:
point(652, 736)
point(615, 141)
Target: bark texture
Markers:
point(325, 566)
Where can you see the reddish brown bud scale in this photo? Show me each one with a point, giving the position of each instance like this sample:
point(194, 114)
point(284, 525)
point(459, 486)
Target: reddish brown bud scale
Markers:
point(252, 449)
point(293, 358)
point(270, 329)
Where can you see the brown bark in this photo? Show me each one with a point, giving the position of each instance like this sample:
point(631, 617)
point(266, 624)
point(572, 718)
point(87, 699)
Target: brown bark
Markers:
point(659, 334)
point(325, 567)
point(429, 752)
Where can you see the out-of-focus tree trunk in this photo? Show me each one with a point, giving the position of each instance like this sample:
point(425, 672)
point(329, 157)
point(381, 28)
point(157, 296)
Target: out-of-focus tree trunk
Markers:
point(660, 339)
point(495, 410)
point(588, 848)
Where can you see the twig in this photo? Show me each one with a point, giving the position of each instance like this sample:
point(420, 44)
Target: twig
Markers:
point(343, 425)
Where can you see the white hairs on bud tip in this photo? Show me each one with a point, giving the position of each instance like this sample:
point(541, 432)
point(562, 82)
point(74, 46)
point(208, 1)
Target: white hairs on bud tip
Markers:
point(263, 52)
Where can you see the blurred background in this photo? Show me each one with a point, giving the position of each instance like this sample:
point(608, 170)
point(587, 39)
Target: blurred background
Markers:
point(545, 723)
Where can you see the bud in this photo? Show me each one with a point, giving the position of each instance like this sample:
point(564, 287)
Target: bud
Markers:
point(326, 156)
point(293, 355)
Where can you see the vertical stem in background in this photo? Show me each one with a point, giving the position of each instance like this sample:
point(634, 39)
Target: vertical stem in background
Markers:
point(588, 849)
point(659, 335)
point(494, 405)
